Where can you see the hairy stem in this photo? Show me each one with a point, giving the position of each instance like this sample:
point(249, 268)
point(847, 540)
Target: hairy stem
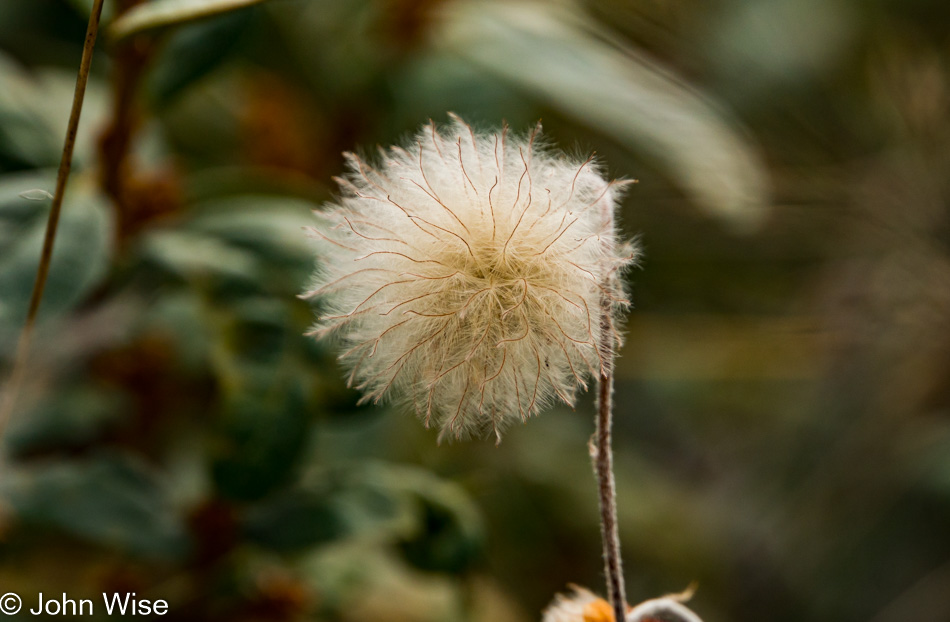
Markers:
point(65, 165)
point(604, 468)
point(601, 452)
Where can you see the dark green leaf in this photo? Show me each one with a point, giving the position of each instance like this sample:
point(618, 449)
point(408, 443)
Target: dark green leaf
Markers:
point(111, 500)
point(69, 418)
point(449, 538)
point(295, 520)
point(265, 434)
point(194, 51)
point(268, 227)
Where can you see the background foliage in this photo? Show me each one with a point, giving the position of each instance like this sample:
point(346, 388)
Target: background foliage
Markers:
point(783, 433)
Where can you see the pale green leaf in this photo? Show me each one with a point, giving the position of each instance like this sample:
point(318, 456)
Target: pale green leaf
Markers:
point(551, 51)
point(81, 255)
point(34, 111)
point(160, 13)
point(271, 226)
point(192, 255)
point(25, 134)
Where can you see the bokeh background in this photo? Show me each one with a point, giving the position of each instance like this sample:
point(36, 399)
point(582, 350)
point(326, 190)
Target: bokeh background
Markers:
point(782, 436)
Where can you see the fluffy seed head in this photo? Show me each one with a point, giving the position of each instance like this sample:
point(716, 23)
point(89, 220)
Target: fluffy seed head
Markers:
point(468, 275)
point(582, 605)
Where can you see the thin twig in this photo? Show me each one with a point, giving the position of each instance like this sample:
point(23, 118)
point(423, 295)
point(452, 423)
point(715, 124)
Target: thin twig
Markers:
point(65, 164)
point(601, 451)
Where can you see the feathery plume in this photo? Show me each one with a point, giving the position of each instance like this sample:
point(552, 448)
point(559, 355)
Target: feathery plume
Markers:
point(464, 275)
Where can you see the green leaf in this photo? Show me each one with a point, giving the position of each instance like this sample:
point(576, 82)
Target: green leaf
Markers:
point(371, 506)
point(26, 137)
point(431, 521)
point(192, 255)
point(265, 433)
point(450, 536)
point(34, 113)
point(54, 101)
point(269, 224)
point(260, 333)
point(111, 500)
point(65, 419)
point(193, 52)
point(295, 520)
point(184, 318)
point(268, 227)
point(161, 13)
point(81, 255)
point(560, 57)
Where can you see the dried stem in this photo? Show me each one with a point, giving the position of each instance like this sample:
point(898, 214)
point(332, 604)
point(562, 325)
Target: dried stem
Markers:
point(65, 164)
point(601, 452)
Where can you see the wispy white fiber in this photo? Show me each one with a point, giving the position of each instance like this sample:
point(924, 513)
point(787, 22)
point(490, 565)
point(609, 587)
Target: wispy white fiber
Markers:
point(464, 274)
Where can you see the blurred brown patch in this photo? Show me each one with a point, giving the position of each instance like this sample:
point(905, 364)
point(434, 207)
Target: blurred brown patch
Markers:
point(279, 597)
point(406, 22)
point(147, 198)
point(279, 128)
point(146, 370)
point(138, 197)
point(215, 529)
point(124, 578)
point(141, 368)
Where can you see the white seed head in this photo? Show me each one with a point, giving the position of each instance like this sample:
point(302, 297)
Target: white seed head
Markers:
point(466, 275)
point(582, 605)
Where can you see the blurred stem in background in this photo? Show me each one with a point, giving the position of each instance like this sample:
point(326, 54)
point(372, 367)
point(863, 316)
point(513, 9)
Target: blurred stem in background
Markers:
point(131, 59)
point(23, 346)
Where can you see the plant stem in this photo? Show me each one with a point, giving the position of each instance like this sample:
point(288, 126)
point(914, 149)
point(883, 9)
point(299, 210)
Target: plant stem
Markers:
point(603, 466)
point(601, 452)
point(65, 165)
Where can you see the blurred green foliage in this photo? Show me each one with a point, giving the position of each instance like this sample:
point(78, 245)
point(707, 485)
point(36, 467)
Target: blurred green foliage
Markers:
point(782, 424)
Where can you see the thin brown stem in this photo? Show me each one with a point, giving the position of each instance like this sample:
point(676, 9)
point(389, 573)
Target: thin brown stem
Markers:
point(42, 273)
point(601, 452)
